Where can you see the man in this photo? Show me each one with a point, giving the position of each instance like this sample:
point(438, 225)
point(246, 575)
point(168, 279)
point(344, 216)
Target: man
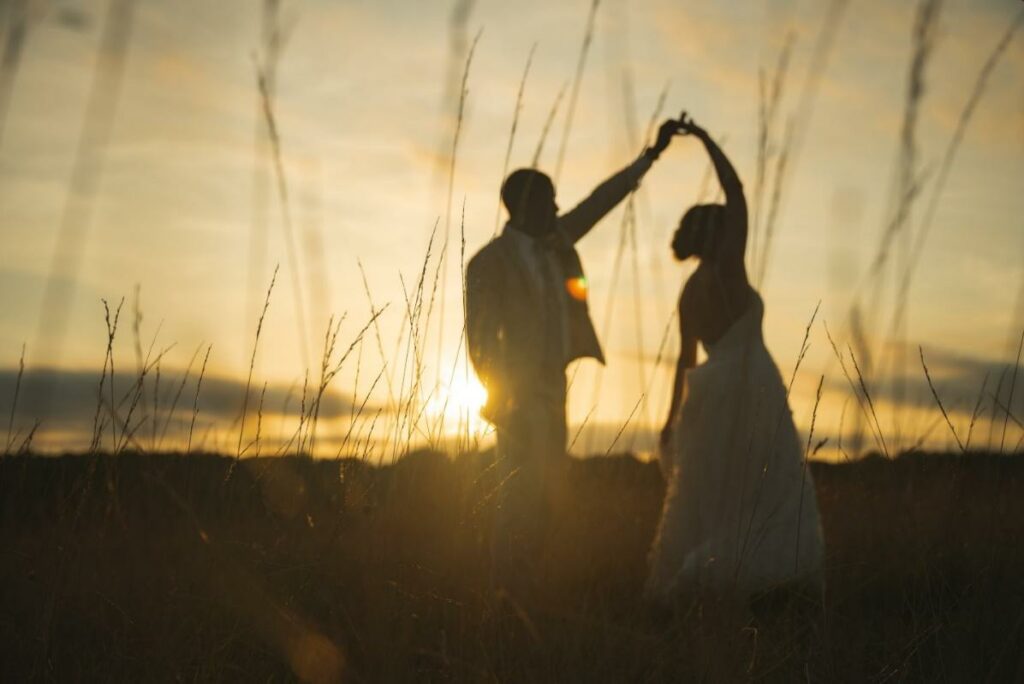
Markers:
point(526, 320)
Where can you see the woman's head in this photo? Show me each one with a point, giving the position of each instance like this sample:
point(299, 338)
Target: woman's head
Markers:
point(698, 232)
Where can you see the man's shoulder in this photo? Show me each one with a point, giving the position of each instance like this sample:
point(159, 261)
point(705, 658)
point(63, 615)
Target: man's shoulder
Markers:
point(490, 253)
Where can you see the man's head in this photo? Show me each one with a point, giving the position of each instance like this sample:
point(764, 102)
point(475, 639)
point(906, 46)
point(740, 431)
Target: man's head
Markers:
point(529, 196)
point(699, 232)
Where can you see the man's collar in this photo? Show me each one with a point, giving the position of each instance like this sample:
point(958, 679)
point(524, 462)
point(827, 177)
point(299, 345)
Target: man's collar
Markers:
point(516, 234)
point(554, 240)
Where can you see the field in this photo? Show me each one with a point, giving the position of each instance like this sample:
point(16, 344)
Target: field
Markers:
point(161, 567)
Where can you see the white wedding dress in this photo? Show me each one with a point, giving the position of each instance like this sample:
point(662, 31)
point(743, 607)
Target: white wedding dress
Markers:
point(740, 514)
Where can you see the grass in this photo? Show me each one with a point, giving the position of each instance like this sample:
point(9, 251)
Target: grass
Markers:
point(299, 569)
point(588, 36)
point(316, 569)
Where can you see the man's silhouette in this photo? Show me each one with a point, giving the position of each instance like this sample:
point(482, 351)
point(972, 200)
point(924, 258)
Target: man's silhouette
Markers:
point(527, 318)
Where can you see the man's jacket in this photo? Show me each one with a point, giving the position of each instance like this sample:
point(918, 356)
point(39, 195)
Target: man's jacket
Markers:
point(505, 324)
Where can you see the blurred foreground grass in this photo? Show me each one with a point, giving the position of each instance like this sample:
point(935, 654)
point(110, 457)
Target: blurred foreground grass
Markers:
point(141, 568)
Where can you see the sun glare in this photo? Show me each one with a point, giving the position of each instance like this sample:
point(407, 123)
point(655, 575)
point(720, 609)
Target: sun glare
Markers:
point(458, 404)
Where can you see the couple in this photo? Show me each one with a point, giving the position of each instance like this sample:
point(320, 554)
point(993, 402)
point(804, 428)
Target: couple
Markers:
point(740, 516)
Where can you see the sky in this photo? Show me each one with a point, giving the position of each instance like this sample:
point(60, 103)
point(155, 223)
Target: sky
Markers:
point(178, 200)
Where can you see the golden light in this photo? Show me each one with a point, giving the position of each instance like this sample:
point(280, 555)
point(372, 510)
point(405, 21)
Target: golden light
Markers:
point(458, 404)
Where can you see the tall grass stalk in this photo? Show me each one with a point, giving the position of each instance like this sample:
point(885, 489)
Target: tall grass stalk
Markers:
point(14, 403)
point(842, 420)
point(798, 124)
point(975, 412)
point(442, 266)
point(1007, 413)
point(627, 239)
point(15, 21)
point(948, 159)
point(26, 444)
point(768, 107)
point(925, 434)
point(547, 125)
point(177, 397)
point(783, 414)
point(1013, 385)
point(579, 430)
point(259, 421)
point(357, 415)
point(379, 338)
point(144, 365)
point(108, 365)
point(867, 396)
point(659, 359)
point(907, 186)
point(804, 346)
point(155, 423)
point(330, 369)
point(875, 427)
point(252, 363)
point(273, 37)
point(908, 182)
point(638, 321)
point(83, 187)
point(625, 425)
point(938, 401)
point(137, 394)
point(803, 472)
point(588, 36)
point(330, 340)
point(512, 133)
point(195, 399)
point(992, 412)
point(266, 98)
point(412, 367)
point(137, 328)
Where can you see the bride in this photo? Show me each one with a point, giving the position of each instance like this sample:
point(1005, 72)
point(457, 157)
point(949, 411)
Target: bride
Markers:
point(740, 516)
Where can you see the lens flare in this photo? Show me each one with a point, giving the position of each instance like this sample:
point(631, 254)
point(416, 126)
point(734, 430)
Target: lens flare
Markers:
point(577, 288)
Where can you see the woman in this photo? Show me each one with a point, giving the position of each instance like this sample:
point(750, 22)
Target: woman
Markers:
point(740, 516)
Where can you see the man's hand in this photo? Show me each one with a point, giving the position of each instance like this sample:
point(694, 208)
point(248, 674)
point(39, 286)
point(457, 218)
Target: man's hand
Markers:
point(665, 133)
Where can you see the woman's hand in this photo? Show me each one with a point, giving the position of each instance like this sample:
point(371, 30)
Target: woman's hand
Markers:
point(688, 127)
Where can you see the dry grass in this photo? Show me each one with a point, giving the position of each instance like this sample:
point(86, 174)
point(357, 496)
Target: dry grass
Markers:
point(948, 159)
point(195, 399)
point(385, 570)
point(588, 36)
point(1013, 385)
point(862, 396)
point(795, 130)
point(938, 401)
point(303, 568)
point(12, 436)
point(512, 133)
point(252, 364)
point(284, 199)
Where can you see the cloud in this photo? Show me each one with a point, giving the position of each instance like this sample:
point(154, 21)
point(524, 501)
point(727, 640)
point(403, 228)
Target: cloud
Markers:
point(73, 397)
point(957, 378)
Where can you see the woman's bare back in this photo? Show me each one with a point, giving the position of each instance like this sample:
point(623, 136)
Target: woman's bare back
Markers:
point(712, 301)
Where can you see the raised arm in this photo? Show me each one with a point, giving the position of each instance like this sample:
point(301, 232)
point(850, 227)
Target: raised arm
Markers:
point(577, 222)
point(733, 243)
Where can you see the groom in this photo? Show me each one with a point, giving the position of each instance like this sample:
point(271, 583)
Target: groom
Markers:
point(526, 320)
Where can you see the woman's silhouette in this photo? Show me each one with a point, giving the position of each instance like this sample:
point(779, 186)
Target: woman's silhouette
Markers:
point(740, 514)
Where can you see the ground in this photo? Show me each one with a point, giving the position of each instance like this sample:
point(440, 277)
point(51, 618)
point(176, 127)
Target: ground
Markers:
point(197, 568)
